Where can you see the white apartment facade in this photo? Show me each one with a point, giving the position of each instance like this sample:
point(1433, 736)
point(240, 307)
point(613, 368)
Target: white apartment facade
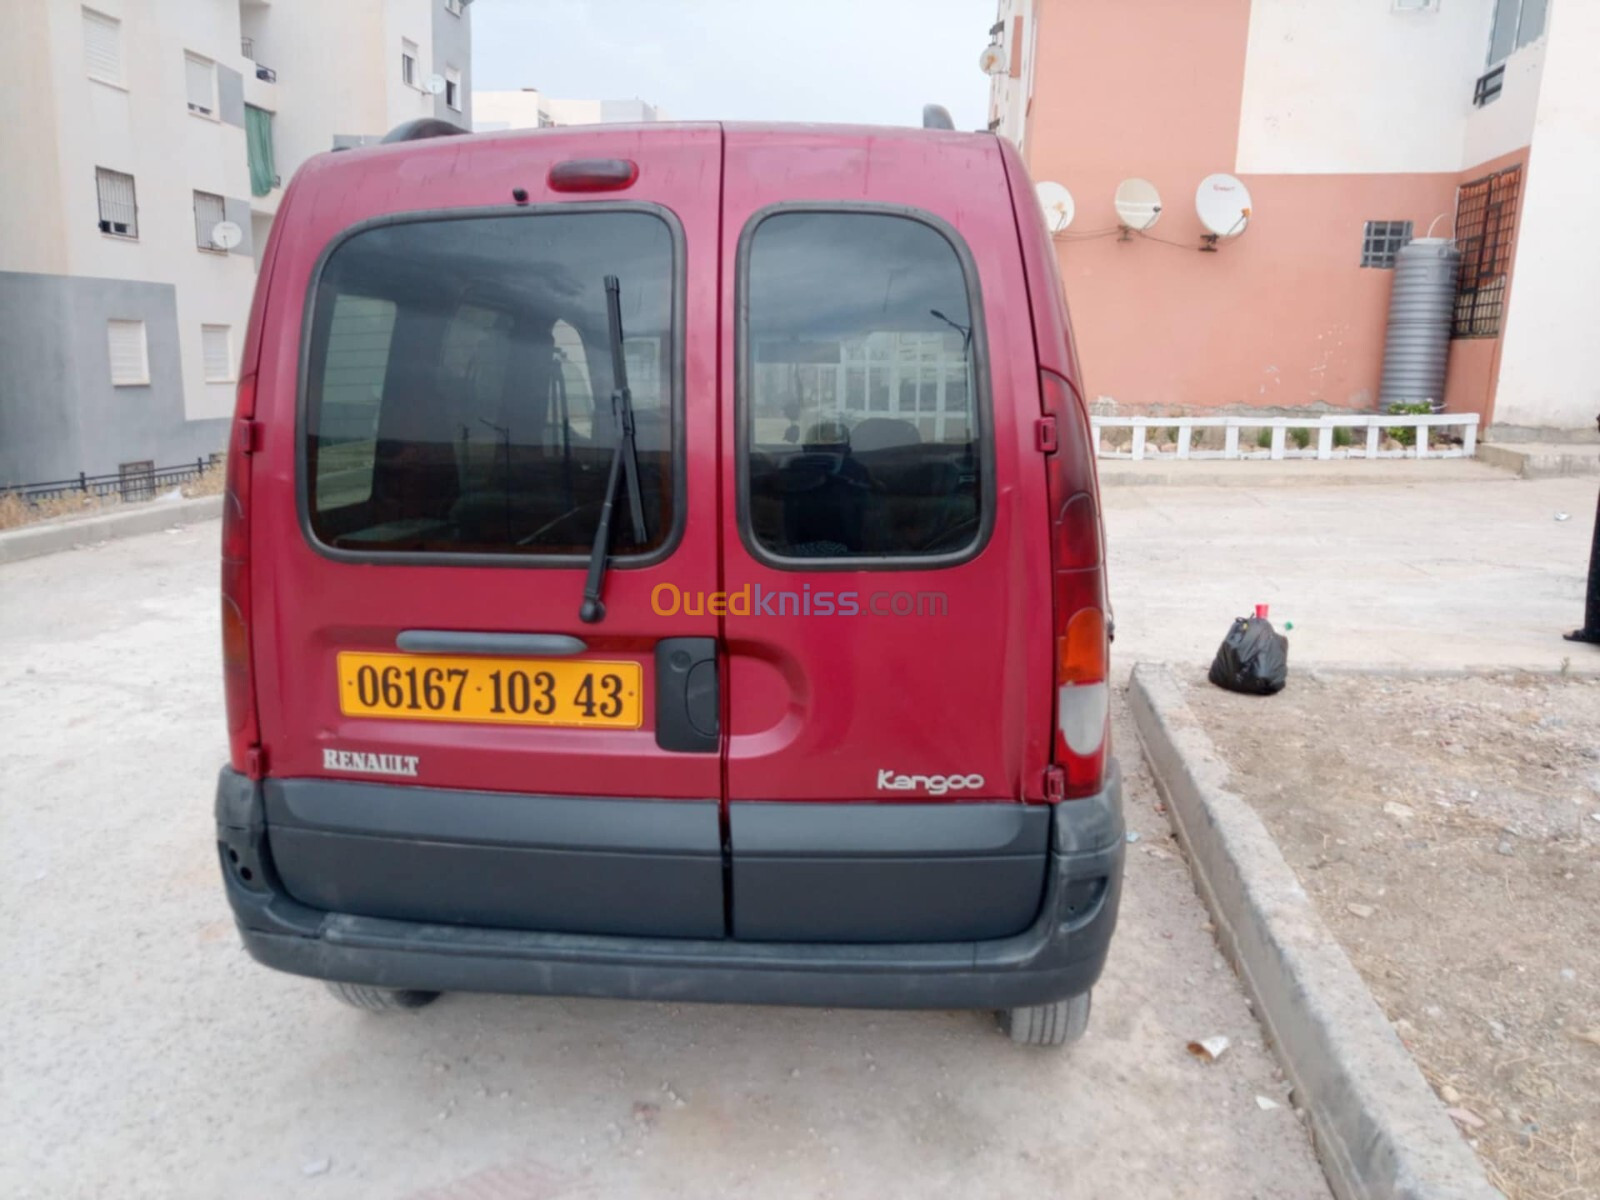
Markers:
point(529, 108)
point(142, 185)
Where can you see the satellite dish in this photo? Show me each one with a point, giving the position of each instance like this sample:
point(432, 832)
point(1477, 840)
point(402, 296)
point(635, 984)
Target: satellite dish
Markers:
point(1223, 204)
point(1138, 203)
point(434, 85)
point(226, 235)
point(993, 60)
point(1057, 204)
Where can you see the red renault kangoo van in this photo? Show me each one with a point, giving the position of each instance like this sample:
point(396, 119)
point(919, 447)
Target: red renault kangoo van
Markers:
point(666, 562)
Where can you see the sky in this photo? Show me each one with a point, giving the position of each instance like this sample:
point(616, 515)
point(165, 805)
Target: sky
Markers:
point(871, 61)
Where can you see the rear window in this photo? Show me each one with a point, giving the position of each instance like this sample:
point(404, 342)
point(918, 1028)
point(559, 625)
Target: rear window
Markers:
point(861, 407)
point(458, 392)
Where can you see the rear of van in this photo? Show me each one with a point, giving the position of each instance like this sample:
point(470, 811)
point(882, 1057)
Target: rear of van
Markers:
point(666, 562)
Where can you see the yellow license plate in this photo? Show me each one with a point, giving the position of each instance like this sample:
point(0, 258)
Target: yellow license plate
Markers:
point(496, 691)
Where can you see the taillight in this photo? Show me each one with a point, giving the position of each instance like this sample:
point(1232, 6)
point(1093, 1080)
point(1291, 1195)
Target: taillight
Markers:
point(1083, 697)
point(237, 677)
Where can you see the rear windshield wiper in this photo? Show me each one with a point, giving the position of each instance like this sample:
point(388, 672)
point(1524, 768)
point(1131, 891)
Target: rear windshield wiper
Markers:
point(625, 458)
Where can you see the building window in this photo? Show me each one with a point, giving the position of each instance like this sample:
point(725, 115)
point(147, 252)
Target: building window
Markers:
point(1381, 243)
point(453, 7)
point(1486, 216)
point(200, 84)
point(258, 144)
point(408, 62)
point(102, 47)
point(130, 360)
point(119, 214)
point(208, 214)
point(1516, 23)
point(452, 88)
point(216, 353)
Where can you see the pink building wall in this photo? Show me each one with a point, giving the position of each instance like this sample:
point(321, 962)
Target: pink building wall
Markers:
point(1282, 316)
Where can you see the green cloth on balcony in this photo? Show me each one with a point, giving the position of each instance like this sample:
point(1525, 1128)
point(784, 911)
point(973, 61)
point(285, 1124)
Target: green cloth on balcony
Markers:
point(258, 136)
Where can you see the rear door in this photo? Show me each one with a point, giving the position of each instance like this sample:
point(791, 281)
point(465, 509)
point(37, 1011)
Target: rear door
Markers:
point(888, 626)
point(435, 437)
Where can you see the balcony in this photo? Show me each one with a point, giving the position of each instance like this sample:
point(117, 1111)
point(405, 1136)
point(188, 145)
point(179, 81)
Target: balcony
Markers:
point(247, 47)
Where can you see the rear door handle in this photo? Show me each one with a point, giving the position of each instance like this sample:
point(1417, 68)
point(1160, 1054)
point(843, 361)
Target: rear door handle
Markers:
point(688, 695)
point(455, 641)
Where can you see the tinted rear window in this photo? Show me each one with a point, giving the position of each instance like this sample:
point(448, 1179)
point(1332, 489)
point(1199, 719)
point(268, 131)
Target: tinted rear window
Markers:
point(459, 383)
point(861, 406)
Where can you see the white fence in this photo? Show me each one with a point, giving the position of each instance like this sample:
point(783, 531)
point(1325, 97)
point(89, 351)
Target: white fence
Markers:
point(1367, 435)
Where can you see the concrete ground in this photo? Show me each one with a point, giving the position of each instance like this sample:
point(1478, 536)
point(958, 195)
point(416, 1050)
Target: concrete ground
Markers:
point(1443, 574)
point(145, 1055)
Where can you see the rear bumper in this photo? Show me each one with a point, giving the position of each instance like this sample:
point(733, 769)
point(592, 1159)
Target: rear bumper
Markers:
point(1060, 954)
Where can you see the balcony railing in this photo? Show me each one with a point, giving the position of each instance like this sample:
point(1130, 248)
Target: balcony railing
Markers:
point(247, 47)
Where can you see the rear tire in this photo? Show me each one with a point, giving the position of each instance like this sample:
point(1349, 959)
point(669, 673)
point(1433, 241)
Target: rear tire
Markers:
point(1048, 1024)
point(379, 1000)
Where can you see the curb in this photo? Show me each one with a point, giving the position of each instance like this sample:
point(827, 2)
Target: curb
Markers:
point(35, 540)
point(1540, 464)
point(1378, 1128)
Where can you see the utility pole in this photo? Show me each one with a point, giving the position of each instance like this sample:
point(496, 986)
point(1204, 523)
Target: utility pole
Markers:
point(1591, 609)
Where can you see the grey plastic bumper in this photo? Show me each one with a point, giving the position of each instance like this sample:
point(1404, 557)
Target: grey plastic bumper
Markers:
point(1060, 954)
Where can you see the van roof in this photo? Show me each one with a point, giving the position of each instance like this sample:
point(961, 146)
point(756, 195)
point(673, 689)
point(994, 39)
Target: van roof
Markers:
point(812, 132)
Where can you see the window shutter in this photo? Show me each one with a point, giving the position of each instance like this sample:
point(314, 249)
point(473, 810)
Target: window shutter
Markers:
point(130, 364)
point(118, 213)
point(102, 46)
point(197, 76)
point(217, 353)
point(208, 214)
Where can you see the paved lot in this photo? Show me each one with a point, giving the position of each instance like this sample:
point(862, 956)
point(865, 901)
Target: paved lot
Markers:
point(1444, 575)
point(146, 1056)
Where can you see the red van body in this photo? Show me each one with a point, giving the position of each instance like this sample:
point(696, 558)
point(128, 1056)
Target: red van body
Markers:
point(840, 736)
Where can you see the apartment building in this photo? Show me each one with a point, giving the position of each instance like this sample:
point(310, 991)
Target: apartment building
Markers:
point(1356, 126)
point(529, 108)
point(140, 188)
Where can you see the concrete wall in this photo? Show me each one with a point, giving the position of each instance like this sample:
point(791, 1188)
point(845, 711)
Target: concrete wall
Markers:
point(1550, 363)
point(452, 48)
point(524, 109)
point(1012, 89)
point(32, 220)
point(53, 342)
point(1281, 316)
point(1333, 115)
point(1358, 88)
point(1506, 123)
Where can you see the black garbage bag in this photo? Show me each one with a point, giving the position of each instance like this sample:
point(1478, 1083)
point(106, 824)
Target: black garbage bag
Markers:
point(1253, 658)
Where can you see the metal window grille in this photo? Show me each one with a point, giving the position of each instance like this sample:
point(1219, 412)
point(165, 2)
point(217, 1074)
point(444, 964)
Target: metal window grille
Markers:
point(453, 6)
point(208, 214)
point(452, 89)
point(216, 351)
point(137, 480)
point(408, 63)
point(1489, 86)
point(119, 214)
point(199, 79)
point(1486, 215)
point(102, 45)
point(1381, 242)
point(130, 359)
